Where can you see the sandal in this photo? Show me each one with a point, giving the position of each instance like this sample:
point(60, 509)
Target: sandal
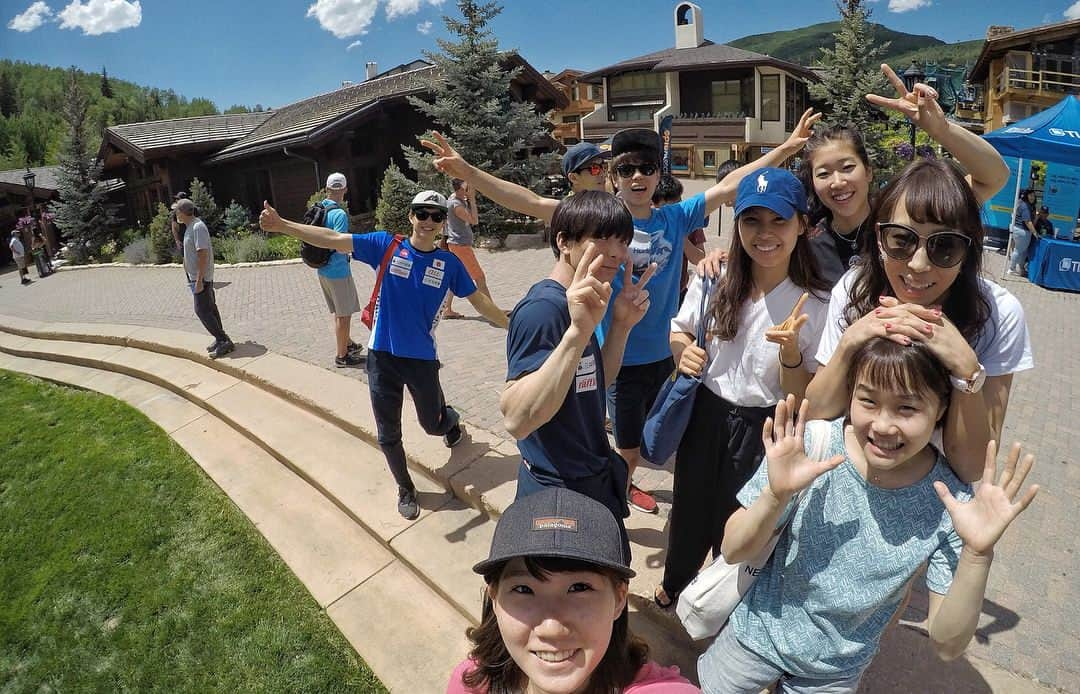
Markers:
point(662, 599)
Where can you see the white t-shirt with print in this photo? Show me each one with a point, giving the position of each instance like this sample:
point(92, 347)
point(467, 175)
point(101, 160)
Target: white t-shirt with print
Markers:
point(1004, 347)
point(16, 246)
point(746, 370)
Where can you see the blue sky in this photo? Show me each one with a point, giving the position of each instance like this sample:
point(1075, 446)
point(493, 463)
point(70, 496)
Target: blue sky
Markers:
point(274, 52)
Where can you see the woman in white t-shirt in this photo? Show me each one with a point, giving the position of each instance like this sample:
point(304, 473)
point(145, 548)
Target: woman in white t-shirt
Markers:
point(921, 279)
point(764, 322)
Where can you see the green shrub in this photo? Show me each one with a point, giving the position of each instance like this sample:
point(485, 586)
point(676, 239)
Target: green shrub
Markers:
point(137, 252)
point(162, 245)
point(252, 249)
point(283, 247)
point(237, 219)
point(225, 250)
point(317, 196)
point(209, 212)
point(395, 196)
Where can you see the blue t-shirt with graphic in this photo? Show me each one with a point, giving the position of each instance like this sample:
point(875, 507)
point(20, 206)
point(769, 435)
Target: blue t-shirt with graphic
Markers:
point(338, 220)
point(412, 294)
point(841, 566)
point(658, 239)
point(573, 444)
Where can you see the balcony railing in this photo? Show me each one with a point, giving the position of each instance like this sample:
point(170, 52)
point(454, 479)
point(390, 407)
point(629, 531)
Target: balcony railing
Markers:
point(711, 116)
point(1037, 81)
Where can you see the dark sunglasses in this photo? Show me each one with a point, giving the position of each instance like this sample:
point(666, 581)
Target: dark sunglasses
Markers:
point(436, 217)
point(627, 170)
point(595, 169)
point(945, 249)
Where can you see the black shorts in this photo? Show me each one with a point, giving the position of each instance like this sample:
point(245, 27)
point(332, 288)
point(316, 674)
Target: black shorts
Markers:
point(635, 389)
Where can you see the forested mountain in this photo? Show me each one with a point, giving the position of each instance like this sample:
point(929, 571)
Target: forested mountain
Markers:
point(804, 45)
point(31, 98)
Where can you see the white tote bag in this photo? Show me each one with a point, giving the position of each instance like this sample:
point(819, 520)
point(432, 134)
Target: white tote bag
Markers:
point(707, 602)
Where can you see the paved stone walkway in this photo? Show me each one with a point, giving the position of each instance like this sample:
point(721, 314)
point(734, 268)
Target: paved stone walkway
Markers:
point(1030, 623)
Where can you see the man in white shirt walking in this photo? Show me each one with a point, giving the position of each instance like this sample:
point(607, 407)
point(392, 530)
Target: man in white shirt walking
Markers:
point(18, 253)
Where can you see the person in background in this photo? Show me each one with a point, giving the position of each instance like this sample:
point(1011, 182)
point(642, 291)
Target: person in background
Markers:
point(335, 278)
point(1022, 230)
point(462, 215)
point(670, 191)
point(199, 267)
point(1043, 226)
point(18, 254)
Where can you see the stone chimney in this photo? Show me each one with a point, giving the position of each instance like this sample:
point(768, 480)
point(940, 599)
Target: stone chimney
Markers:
point(993, 32)
point(689, 28)
point(372, 70)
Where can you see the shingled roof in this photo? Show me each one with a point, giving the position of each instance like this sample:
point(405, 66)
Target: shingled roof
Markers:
point(707, 56)
point(307, 119)
point(44, 179)
point(142, 140)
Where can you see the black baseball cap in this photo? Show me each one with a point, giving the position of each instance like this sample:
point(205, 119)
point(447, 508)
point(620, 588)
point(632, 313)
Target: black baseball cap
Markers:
point(636, 140)
point(558, 522)
point(1044, 208)
point(579, 155)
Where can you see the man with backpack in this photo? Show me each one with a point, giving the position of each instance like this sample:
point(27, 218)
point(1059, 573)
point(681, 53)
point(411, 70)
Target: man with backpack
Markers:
point(335, 277)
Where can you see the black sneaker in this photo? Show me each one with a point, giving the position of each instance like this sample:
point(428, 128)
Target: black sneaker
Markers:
point(212, 346)
point(222, 349)
point(454, 436)
point(407, 505)
point(354, 348)
point(349, 359)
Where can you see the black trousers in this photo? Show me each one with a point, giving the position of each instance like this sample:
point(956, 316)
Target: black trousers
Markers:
point(388, 377)
point(719, 453)
point(207, 311)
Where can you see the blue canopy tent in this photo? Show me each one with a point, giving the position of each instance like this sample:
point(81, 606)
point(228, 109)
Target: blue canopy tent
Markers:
point(1050, 135)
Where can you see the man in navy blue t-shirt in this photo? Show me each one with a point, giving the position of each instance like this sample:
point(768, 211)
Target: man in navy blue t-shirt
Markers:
point(416, 279)
point(553, 403)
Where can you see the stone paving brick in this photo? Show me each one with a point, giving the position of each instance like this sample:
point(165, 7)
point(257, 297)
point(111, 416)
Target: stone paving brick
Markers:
point(1031, 608)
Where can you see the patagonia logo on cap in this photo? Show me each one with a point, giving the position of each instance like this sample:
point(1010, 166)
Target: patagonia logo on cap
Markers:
point(434, 197)
point(555, 523)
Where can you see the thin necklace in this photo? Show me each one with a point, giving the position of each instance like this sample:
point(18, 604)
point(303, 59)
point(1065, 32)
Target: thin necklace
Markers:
point(853, 240)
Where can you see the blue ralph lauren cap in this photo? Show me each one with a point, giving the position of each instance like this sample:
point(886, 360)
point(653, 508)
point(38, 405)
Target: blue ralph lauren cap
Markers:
point(775, 189)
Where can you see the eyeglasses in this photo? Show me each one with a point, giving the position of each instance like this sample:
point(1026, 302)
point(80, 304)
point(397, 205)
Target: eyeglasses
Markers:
point(627, 170)
point(595, 169)
point(945, 249)
point(436, 217)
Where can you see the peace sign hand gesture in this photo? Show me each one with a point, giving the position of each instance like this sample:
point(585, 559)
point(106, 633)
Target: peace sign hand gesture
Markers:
point(587, 297)
point(447, 159)
point(790, 471)
point(919, 105)
point(981, 521)
point(632, 303)
point(787, 333)
point(803, 130)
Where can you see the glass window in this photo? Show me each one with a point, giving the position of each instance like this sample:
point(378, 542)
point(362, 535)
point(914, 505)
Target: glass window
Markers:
point(631, 113)
point(727, 98)
point(637, 84)
point(770, 97)
point(571, 119)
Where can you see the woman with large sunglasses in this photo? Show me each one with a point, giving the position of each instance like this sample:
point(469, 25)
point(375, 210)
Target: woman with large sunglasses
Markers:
point(920, 279)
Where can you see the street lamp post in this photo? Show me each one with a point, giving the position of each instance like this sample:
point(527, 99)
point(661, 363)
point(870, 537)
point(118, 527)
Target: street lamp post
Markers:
point(912, 76)
point(28, 180)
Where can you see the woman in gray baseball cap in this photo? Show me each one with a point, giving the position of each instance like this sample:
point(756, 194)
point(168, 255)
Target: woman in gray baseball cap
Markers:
point(554, 615)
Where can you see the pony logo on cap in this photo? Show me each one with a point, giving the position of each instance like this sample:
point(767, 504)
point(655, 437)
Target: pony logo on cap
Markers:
point(555, 523)
point(762, 183)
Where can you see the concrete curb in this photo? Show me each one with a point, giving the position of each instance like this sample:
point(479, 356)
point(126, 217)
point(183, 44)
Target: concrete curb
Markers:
point(174, 266)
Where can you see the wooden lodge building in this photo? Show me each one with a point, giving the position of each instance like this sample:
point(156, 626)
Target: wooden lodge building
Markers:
point(284, 155)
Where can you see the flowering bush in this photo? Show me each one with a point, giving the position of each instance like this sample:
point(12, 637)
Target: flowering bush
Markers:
point(926, 152)
point(26, 225)
point(905, 151)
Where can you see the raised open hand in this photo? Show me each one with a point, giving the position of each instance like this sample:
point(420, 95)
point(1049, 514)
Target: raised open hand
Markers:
point(587, 297)
point(981, 522)
point(269, 220)
point(790, 470)
point(632, 303)
point(447, 159)
point(919, 105)
point(787, 333)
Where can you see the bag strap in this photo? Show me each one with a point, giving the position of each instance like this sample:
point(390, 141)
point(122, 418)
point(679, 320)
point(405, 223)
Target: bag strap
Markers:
point(706, 290)
point(382, 268)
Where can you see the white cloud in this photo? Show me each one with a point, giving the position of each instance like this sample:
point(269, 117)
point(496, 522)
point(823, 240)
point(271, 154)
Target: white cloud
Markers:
point(1073, 12)
point(907, 5)
point(32, 18)
point(403, 8)
point(344, 18)
point(354, 44)
point(425, 27)
point(96, 17)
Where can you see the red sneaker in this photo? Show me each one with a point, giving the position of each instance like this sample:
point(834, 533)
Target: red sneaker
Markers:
point(641, 500)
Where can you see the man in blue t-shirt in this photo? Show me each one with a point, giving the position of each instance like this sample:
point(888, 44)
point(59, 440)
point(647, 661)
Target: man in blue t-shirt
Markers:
point(553, 403)
point(659, 236)
point(416, 277)
point(335, 278)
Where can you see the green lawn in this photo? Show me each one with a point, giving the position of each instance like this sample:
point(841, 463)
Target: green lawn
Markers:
point(123, 568)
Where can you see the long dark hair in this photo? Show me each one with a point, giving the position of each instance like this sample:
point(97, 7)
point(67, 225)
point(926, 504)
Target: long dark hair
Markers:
point(932, 191)
point(594, 214)
point(821, 137)
point(897, 368)
point(497, 670)
point(738, 281)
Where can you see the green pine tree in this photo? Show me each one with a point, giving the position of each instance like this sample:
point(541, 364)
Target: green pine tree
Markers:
point(9, 97)
point(852, 69)
point(395, 194)
point(83, 213)
point(162, 243)
point(106, 88)
point(473, 107)
point(203, 197)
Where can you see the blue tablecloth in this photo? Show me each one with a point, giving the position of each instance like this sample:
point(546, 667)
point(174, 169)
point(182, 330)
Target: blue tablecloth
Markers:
point(1055, 264)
